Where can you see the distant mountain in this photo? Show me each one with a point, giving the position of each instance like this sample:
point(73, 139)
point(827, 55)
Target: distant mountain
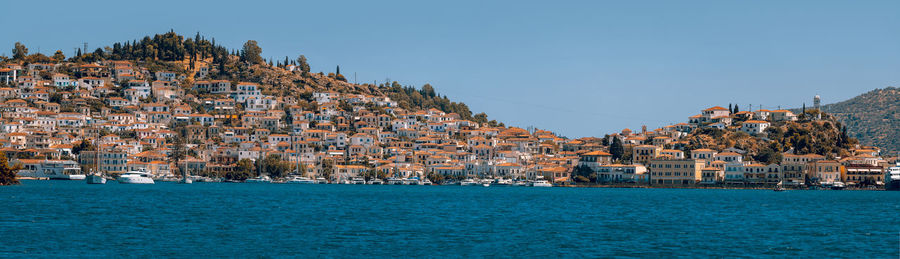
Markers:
point(873, 117)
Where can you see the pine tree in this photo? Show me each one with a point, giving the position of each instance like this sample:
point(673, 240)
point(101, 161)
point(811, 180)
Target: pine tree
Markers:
point(7, 173)
point(736, 109)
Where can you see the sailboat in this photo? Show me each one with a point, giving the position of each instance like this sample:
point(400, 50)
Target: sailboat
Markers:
point(184, 175)
point(95, 177)
point(779, 187)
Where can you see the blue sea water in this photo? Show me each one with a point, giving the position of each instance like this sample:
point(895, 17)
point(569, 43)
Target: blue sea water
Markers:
point(73, 219)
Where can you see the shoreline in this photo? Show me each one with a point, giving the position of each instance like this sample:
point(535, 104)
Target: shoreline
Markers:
point(622, 186)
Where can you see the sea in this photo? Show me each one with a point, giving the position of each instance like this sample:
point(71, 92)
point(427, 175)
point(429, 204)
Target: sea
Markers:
point(40, 219)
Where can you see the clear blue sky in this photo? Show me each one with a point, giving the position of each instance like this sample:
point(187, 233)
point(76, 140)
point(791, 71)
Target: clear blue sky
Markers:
point(578, 68)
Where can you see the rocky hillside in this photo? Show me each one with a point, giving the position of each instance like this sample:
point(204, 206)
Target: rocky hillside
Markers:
point(873, 117)
point(288, 77)
point(825, 137)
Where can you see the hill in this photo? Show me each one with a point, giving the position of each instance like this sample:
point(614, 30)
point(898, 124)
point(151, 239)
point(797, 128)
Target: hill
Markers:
point(805, 136)
point(290, 77)
point(871, 117)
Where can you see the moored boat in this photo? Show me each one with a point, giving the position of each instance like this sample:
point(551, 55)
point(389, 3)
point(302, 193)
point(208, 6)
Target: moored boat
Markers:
point(301, 180)
point(259, 179)
point(468, 182)
point(892, 178)
point(541, 183)
point(837, 186)
point(135, 177)
point(357, 180)
point(502, 182)
point(95, 179)
point(394, 181)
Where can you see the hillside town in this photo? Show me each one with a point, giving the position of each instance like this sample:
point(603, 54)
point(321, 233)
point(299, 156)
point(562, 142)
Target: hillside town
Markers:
point(109, 117)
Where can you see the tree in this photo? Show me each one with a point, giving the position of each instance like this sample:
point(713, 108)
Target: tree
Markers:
point(84, 145)
point(242, 170)
point(584, 174)
point(736, 109)
point(177, 151)
point(616, 149)
point(58, 56)
point(480, 118)
point(338, 70)
point(275, 167)
point(19, 52)
point(7, 173)
point(301, 61)
point(251, 53)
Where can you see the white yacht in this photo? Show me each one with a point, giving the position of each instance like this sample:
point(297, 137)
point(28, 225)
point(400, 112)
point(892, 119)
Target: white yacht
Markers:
point(426, 182)
point(502, 182)
point(259, 179)
point(135, 177)
point(357, 180)
point(301, 180)
point(49, 168)
point(541, 183)
point(321, 180)
point(468, 182)
point(892, 178)
point(375, 181)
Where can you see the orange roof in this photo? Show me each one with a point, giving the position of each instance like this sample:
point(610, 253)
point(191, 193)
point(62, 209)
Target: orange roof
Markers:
point(716, 108)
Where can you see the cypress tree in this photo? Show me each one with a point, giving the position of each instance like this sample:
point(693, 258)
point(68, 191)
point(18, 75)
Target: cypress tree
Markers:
point(616, 149)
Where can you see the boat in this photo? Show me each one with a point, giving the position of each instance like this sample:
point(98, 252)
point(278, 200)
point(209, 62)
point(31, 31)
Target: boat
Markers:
point(486, 184)
point(892, 178)
point(50, 169)
point(357, 180)
point(259, 179)
point(394, 181)
point(468, 182)
point(135, 177)
point(541, 183)
point(94, 178)
point(412, 181)
point(519, 183)
point(426, 182)
point(301, 180)
point(779, 187)
point(375, 181)
point(502, 182)
point(321, 180)
point(837, 186)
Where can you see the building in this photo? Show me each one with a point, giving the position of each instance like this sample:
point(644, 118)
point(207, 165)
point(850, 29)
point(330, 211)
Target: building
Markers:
point(643, 153)
point(754, 127)
point(676, 171)
point(825, 171)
